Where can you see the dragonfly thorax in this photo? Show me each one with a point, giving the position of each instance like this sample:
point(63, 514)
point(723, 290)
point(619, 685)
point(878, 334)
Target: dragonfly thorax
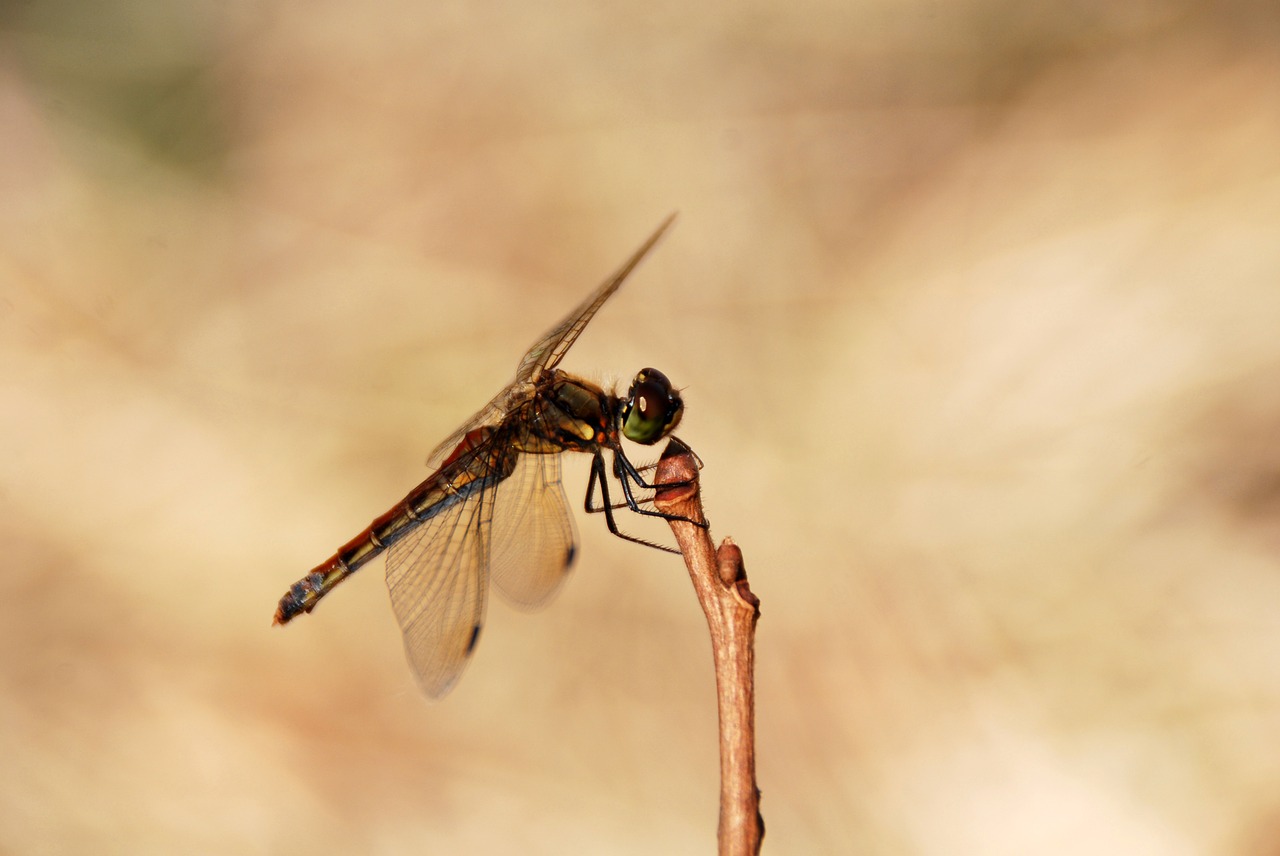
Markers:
point(573, 414)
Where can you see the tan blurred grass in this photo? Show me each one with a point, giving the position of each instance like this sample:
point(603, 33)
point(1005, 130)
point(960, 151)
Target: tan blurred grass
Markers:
point(983, 374)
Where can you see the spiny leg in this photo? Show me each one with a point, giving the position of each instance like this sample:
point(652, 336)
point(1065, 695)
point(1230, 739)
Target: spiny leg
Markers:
point(599, 475)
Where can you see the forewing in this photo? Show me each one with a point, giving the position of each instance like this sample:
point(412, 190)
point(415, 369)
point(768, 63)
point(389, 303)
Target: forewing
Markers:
point(438, 579)
point(533, 537)
point(551, 348)
point(545, 354)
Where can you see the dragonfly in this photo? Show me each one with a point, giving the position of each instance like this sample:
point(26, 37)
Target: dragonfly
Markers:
point(494, 508)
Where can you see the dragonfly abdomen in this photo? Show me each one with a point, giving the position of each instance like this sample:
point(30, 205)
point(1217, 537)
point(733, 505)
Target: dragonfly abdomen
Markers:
point(463, 473)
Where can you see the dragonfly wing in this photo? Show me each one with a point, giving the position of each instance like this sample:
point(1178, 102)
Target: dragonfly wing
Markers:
point(438, 579)
point(533, 539)
point(551, 348)
point(546, 353)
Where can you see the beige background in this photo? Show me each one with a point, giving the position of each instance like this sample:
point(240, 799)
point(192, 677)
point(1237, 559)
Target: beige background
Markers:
point(975, 306)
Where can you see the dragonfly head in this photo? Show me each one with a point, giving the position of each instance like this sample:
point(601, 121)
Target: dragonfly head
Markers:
point(652, 408)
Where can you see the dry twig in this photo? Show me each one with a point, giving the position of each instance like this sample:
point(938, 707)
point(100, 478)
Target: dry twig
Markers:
point(732, 610)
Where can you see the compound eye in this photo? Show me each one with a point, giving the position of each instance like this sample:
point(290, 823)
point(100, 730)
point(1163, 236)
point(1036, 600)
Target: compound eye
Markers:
point(652, 409)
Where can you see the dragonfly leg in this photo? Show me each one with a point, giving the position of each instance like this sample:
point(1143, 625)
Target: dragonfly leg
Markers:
point(590, 506)
point(599, 475)
point(639, 480)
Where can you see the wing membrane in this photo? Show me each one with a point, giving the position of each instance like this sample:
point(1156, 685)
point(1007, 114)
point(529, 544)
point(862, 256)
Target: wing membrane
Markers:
point(533, 539)
point(547, 352)
point(437, 577)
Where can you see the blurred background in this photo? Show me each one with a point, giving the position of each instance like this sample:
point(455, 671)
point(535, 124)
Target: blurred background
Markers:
point(975, 309)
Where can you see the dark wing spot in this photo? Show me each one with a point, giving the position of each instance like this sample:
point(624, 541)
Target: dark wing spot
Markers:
point(475, 637)
point(570, 556)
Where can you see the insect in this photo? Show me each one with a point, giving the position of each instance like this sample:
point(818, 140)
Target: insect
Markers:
point(494, 508)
